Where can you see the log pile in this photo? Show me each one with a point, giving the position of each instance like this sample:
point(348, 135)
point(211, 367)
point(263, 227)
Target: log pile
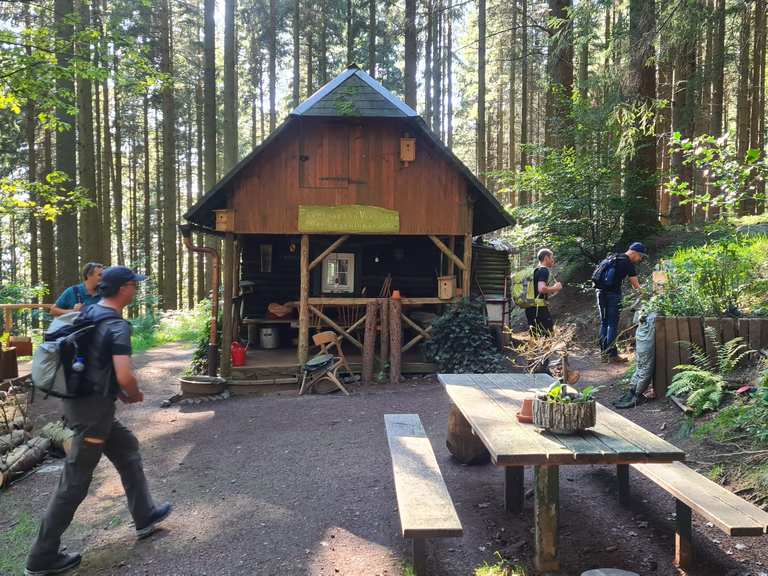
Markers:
point(22, 459)
point(9, 441)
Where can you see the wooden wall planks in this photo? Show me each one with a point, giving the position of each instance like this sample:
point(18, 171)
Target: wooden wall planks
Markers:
point(355, 161)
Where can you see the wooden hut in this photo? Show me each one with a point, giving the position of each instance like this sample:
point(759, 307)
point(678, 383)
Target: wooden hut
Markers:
point(350, 199)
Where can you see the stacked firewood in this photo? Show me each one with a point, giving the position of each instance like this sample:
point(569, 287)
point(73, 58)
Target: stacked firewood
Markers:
point(20, 452)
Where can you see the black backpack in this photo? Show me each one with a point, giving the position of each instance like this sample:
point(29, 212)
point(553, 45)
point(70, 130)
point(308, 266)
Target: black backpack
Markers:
point(604, 276)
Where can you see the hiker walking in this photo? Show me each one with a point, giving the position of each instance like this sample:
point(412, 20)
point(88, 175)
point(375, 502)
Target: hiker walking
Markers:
point(108, 375)
point(83, 294)
point(607, 279)
point(539, 318)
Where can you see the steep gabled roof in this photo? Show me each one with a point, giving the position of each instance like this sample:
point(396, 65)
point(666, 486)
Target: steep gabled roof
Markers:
point(353, 93)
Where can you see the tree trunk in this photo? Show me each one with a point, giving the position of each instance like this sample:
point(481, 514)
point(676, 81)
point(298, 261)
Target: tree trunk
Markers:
point(513, 54)
point(560, 72)
point(118, 185)
point(758, 97)
point(169, 162)
point(743, 108)
point(480, 151)
point(428, 67)
point(664, 128)
point(683, 107)
point(230, 103)
point(200, 272)
point(411, 53)
point(209, 93)
point(372, 38)
point(640, 179)
point(296, 84)
point(449, 73)
point(47, 248)
point(146, 226)
point(91, 241)
point(310, 61)
point(190, 255)
point(437, 68)
point(522, 199)
point(272, 64)
point(718, 69)
point(323, 71)
point(350, 34)
point(30, 125)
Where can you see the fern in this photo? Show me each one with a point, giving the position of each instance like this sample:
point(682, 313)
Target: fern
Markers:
point(703, 381)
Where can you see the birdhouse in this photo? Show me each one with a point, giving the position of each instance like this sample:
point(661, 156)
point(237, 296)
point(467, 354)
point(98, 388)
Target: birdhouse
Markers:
point(225, 220)
point(446, 287)
point(407, 149)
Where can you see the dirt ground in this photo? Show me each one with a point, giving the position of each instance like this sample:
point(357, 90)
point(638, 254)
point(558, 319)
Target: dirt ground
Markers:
point(286, 485)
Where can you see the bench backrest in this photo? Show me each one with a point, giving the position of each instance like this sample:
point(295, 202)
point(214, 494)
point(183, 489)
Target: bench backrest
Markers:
point(425, 506)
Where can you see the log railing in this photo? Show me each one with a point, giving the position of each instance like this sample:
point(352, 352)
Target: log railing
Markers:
point(8, 310)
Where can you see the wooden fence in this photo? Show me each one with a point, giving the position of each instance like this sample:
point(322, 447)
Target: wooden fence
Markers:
point(672, 332)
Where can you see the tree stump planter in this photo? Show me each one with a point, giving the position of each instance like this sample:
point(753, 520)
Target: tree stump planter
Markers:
point(563, 418)
point(202, 385)
point(462, 443)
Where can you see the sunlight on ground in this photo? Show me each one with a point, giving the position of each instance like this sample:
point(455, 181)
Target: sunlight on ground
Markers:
point(340, 545)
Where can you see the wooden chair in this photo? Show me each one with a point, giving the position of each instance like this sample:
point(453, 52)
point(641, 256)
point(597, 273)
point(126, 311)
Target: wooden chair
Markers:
point(325, 365)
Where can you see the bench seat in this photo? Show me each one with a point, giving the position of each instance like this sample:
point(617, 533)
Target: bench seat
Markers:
point(692, 491)
point(424, 504)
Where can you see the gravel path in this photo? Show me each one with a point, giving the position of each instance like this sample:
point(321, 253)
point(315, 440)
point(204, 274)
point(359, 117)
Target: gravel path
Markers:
point(281, 485)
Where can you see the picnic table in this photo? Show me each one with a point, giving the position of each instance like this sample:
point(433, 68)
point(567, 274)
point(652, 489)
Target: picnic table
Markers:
point(490, 402)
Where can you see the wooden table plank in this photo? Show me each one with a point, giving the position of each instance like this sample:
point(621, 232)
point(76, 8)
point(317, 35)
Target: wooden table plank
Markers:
point(425, 506)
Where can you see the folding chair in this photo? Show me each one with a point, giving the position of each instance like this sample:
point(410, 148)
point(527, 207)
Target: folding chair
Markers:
point(324, 366)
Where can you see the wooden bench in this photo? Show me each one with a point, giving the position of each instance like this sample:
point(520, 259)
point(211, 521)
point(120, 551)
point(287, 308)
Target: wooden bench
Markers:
point(692, 491)
point(425, 507)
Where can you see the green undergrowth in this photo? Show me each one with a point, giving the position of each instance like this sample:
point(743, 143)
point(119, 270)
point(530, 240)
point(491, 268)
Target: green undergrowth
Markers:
point(501, 567)
point(152, 330)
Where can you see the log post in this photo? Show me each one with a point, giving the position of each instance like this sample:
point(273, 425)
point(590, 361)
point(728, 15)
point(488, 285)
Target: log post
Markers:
point(546, 510)
point(384, 331)
point(226, 323)
point(395, 340)
point(303, 350)
point(514, 488)
point(420, 557)
point(622, 475)
point(461, 441)
point(369, 342)
point(467, 275)
point(7, 320)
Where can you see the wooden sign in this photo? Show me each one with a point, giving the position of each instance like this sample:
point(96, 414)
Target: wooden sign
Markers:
point(348, 219)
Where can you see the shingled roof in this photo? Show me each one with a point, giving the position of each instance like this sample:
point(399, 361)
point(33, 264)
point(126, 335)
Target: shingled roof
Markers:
point(354, 93)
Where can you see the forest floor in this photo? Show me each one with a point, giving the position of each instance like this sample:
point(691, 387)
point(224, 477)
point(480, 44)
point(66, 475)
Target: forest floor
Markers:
point(286, 485)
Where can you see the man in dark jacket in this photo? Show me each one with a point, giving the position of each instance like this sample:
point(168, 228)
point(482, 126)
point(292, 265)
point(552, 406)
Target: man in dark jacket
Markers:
point(617, 267)
point(109, 375)
point(540, 320)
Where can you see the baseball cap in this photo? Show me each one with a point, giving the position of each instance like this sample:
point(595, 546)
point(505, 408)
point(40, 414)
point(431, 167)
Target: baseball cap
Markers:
point(639, 247)
point(116, 276)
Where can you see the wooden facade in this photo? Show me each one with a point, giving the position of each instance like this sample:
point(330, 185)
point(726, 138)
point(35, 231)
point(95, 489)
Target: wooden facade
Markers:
point(351, 200)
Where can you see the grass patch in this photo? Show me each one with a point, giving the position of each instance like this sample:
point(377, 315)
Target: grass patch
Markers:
point(717, 473)
point(15, 542)
point(408, 569)
point(172, 326)
point(501, 567)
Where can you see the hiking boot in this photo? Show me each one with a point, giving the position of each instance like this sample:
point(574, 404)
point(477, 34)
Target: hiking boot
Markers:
point(629, 400)
point(159, 514)
point(64, 562)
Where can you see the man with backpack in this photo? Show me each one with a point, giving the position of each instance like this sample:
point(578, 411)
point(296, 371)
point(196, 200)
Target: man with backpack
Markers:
point(87, 292)
point(607, 279)
point(539, 318)
point(106, 375)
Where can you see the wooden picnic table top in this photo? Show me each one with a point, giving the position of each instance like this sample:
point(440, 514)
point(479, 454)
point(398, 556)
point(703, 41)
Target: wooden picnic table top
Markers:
point(490, 403)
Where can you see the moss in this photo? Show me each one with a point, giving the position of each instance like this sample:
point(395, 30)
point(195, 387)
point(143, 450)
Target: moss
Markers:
point(15, 543)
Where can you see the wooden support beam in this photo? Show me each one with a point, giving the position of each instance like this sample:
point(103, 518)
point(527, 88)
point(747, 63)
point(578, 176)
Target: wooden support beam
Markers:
point(303, 349)
point(466, 284)
point(395, 340)
point(514, 489)
point(683, 535)
point(360, 321)
point(412, 324)
point(448, 252)
point(415, 340)
point(226, 323)
point(546, 510)
point(330, 250)
point(622, 475)
point(452, 248)
point(369, 342)
point(385, 330)
point(336, 327)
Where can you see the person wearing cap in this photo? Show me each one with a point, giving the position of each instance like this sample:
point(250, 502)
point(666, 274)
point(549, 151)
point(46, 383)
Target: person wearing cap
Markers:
point(616, 268)
point(83, 294)
point(109, 375)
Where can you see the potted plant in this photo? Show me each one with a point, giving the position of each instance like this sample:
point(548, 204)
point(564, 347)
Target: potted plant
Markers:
point(565, 410)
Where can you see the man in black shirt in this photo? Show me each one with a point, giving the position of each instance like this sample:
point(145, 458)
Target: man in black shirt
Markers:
point(539, 318)
point(617, 267)
point(109, 374)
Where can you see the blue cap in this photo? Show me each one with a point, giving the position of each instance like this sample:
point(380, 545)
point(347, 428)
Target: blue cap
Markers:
point(639, 247)
point(116, 276)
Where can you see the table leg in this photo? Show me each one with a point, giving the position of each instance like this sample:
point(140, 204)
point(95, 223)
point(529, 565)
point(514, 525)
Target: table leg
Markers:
point(419, 556)
point(622, 475)
point(683, 533)
point(514, 489)
point(546, 511)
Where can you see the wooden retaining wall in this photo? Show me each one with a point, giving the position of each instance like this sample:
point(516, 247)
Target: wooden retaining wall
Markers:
point(672, 331)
